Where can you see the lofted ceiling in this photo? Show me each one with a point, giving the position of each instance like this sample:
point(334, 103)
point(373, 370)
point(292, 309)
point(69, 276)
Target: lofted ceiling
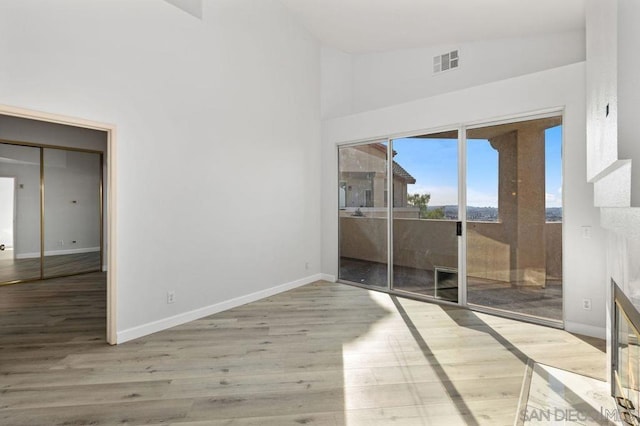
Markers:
point(362, 26)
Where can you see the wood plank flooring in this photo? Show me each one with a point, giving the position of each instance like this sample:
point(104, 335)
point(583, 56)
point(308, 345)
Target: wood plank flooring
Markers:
point(322, 354)
point(66, 264)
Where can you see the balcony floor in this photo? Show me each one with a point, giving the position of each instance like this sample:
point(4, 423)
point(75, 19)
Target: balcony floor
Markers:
point(544, 302)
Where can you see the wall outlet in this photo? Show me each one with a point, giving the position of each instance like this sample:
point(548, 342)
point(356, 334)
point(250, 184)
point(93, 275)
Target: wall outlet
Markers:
point(307, 265)
point(586, 232)
point(60, 242)
point(171, 297)
point(586, 304)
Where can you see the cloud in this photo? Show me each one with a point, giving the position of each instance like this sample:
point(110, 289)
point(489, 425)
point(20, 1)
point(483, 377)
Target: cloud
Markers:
point(553, 200)
point(440, 195)
point(448, 195)
point(481, 199)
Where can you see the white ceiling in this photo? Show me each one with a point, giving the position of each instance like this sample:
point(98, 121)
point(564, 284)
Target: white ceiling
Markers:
point(360, 26)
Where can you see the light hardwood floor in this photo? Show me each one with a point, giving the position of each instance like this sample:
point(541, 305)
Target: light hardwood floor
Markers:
point(67, 264)
point(322, 354)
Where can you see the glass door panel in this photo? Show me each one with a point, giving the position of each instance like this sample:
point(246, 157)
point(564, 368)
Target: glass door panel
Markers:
point(19, 213)
point(425, 215)
point(72, 219)
point(362, 193)
point(514, 217)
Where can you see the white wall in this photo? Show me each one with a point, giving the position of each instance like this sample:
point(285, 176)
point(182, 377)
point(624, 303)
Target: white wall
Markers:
point(613, 80)
point(628, 81)
point(602, 85)
point(389, 78)
point(71, 202)
point(218, 125)
point(336, 83)
point(584, 263)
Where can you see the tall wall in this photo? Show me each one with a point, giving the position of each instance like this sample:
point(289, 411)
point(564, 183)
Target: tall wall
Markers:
point(218, 136)
point(628, 82)
point(363, 82)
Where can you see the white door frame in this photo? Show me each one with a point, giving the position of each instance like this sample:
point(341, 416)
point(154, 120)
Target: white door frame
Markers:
point(110, 214)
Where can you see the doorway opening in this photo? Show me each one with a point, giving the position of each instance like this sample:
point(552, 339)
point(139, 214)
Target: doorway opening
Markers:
point(22, 129)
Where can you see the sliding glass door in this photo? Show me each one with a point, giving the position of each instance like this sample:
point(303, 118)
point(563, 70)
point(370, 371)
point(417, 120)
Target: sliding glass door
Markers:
point(419, 186)
point(363, 195)
point(402, 228)
point(425, 215)
point(514, 217)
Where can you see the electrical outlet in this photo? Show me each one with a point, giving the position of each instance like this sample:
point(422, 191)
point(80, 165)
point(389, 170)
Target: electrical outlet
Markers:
point(586, 304)
point(307, 265)
point(171, 297)
point(60, 242)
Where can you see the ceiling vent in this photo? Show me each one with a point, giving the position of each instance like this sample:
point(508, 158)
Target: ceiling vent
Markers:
point(446, 62)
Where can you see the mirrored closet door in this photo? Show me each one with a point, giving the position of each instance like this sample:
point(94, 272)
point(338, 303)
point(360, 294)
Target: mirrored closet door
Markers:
point(71, 212)
point(50, 212)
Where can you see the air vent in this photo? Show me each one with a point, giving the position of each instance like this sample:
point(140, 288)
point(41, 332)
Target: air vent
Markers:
point(446, 62)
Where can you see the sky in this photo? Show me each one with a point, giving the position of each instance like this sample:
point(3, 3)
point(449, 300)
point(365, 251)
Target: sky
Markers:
point(434, 165)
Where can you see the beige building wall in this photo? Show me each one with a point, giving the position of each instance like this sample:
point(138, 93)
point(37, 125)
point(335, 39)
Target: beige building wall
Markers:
point(424, 244)
point(364, 168)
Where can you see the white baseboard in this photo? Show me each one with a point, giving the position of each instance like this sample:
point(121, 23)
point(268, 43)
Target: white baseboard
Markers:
point(328, 277)
point(57, 252)
point(71, 251)
point(585, 330)
point(163, 324)
point(27, 255)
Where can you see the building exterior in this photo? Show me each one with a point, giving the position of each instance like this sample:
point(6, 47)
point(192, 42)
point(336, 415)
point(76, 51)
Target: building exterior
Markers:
point(363, 171)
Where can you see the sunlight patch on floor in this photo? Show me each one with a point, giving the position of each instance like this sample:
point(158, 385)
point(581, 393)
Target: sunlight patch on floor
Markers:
point(558, 396)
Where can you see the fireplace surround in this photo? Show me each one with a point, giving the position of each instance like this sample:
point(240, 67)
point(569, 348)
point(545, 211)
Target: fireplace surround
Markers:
point(625, 355)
